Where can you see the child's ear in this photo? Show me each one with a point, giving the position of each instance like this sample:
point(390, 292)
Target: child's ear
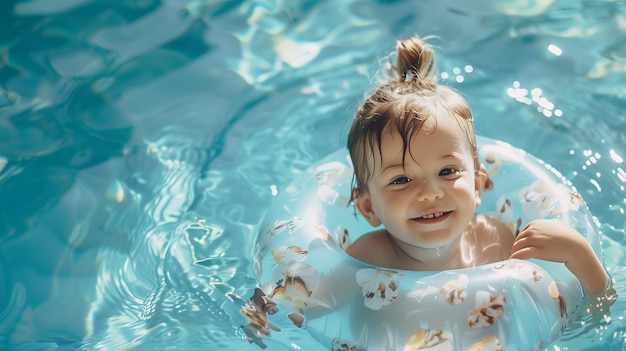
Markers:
point(363, 203)
point(480, 182)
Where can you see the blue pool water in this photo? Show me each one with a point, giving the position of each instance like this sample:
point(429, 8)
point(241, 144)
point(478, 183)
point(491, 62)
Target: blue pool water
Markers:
point(141, 142)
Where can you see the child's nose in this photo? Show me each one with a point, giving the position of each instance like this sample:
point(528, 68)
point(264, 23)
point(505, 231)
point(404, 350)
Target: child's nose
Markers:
point(429, 191)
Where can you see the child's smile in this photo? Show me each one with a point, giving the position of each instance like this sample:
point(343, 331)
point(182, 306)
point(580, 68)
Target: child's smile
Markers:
point(432, 218)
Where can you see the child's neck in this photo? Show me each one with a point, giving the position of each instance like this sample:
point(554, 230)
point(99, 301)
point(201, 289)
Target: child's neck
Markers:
point(428, 259)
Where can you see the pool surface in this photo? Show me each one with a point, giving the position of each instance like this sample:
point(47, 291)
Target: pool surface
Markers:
point(142, 141)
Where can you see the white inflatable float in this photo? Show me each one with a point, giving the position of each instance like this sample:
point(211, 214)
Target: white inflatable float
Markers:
point(346, 304)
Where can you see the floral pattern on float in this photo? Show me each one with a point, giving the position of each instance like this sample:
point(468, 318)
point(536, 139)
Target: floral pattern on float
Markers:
point(380, 287)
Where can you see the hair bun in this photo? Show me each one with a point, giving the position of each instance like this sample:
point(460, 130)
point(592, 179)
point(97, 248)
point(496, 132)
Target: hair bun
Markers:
point(415, 61)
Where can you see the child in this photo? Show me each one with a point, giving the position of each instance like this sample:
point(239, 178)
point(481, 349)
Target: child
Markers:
point(417, 172)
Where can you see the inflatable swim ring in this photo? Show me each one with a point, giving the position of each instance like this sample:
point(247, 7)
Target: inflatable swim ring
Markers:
point(346, 304)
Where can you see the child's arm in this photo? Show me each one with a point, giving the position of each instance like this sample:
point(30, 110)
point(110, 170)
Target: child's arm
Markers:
point(554, 240)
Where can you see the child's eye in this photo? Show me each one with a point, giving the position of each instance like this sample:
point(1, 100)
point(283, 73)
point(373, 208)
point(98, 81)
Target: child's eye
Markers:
point(400, 180)
point(449, 172)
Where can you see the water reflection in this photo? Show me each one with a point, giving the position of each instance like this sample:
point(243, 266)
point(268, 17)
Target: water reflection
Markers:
point(141, 142)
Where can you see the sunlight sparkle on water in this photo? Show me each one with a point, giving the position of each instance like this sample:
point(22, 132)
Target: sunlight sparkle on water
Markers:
point(519, 93)
point(294, 53)
point(596, 185)
point(615, 156)
point(457, 73)
point(544, 105)
point(555, 50)
point(621, 174)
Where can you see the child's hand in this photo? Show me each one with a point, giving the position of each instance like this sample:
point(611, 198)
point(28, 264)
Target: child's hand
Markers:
point(550, 240)
point(554, 240)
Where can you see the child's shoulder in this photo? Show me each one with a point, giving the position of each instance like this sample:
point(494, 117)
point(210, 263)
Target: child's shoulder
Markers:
point(484, 222)
point(488, 231)
point(361, 249)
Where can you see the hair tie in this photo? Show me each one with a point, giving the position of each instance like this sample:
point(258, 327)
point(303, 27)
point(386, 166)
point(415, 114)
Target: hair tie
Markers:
point(409, 76)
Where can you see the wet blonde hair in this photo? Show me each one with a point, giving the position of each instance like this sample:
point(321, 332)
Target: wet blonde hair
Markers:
point(409, 97)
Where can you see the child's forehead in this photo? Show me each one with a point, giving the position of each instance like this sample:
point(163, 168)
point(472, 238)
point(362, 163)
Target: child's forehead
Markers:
point(445, 135)
point(440, 127)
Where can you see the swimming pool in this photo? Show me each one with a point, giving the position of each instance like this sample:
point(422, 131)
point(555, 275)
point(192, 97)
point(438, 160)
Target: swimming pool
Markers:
point(141, 142)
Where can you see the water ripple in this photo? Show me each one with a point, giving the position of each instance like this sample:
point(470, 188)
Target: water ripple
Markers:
point(156, 133)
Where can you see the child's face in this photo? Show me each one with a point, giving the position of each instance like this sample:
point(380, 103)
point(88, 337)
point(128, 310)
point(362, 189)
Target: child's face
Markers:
point(429, 201)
